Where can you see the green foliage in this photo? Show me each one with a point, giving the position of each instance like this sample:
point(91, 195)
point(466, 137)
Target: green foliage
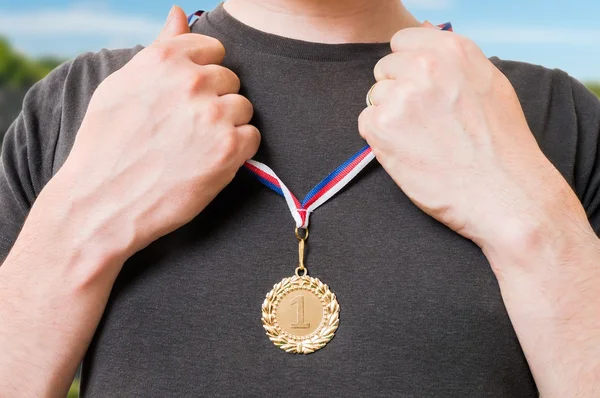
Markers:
point(18, 71)
point(49, 63)
point(74, 390)
point(594, 87)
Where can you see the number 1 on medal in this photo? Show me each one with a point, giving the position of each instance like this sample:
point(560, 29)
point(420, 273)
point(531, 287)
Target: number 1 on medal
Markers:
point(300, 314)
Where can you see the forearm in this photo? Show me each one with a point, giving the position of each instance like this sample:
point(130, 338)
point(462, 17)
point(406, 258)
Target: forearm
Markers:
point(54, 286)
point(551, 288)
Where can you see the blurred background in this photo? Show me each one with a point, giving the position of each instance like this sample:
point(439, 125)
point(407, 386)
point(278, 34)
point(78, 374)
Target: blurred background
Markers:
point(37, 35)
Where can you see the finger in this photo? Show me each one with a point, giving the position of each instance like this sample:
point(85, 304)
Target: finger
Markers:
point(364, 121)
point(428, 24)
point(221, 80)
point(403, 39)
point(236, 108)
point(382, 90)
point(250, 141)
point(388, 67)
point(176, 24)
point(412, 65)
point(201, 49)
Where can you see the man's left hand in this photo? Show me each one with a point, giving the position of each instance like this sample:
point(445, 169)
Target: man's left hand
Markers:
point(448, 127)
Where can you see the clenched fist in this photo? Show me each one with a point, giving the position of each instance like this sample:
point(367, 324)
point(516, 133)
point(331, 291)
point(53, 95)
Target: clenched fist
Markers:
point(161, 137)
point(447, 126)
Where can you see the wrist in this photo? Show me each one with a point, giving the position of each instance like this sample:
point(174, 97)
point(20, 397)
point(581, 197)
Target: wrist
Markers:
point(546, 272)
point(549, 232)
point(549, 287)
point(76, 238)
point(543, 249)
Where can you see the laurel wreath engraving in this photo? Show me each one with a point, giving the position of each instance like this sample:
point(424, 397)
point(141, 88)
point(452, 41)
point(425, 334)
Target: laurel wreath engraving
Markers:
point(318, 339)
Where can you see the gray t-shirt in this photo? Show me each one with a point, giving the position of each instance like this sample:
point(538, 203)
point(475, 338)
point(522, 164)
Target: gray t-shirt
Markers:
point(421, 312)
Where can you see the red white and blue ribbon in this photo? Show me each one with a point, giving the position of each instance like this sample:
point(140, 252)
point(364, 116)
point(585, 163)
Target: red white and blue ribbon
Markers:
point(192, 18)
point(320, 194)
point(327, 188)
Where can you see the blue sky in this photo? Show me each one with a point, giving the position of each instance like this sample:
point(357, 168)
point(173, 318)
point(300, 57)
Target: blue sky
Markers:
point(554, 33)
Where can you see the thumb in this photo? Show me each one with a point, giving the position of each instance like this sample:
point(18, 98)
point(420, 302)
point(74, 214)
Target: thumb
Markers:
point(176, 24)
point(427, 24)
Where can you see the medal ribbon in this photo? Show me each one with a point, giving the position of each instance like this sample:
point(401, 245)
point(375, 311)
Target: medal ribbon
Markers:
point(324, 190)
point(320, 194)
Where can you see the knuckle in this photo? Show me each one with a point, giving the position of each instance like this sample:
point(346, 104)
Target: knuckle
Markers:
point(246, 107)
point(160, 53)
point(459, 45)
point(226, 77)
point(233, 78)
point(256, 136)
point(467, 44)
point(384, 119)
point(212, 43)
point(427, 62)
point(228, 145)
point(213, 112)
point(452, 43)
point(404, 91)
point(252, 137)
point(195, 81)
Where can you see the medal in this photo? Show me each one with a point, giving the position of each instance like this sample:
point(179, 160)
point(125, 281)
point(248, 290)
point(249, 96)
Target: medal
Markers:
point(301, 314)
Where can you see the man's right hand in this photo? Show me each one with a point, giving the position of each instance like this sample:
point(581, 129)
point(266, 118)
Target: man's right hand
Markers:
point(161, 138)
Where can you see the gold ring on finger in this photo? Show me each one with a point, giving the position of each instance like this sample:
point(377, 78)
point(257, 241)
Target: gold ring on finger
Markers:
point(369, 98)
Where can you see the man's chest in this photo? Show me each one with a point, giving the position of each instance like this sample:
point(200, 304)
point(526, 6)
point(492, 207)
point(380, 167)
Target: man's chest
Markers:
point(420, 308)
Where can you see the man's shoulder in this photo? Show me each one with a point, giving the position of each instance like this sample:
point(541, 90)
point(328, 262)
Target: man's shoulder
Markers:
point(73, 83)
point(62, 98)
point(563, 115)
point(523, 71)
point(546, 92)
point(94, 67)
point(107, 60)
point(78, 75)
point(539, 85)
point(534, 84)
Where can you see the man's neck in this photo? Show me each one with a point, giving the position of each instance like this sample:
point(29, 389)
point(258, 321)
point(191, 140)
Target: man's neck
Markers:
point(325, 21)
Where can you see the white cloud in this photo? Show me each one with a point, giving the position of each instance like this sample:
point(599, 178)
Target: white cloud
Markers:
point(427, 4)
point(517, 35)
point(89, 20)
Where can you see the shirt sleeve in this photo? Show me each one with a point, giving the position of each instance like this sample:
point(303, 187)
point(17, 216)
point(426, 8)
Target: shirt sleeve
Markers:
point(27, 154)
point(587, 159)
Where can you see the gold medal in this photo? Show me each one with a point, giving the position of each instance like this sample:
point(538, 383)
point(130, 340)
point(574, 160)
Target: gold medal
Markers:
point(300, 314)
